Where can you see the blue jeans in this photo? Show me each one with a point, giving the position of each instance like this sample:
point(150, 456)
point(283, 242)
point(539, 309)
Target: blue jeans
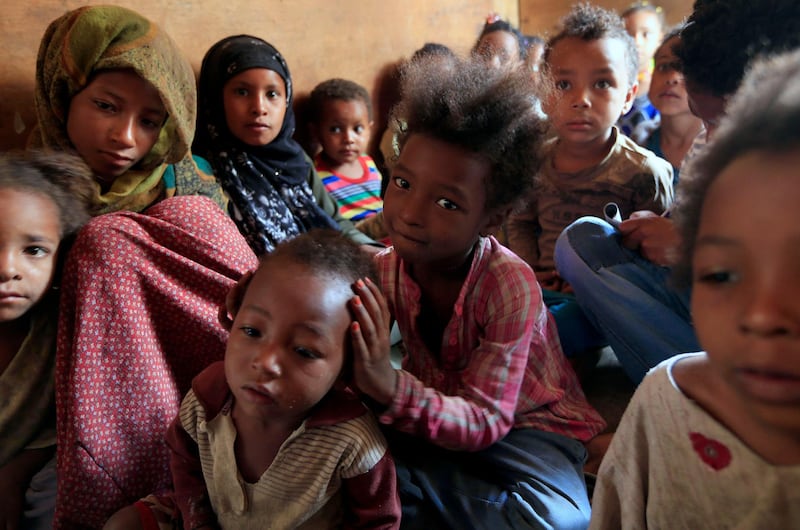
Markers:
point(628, 298)
point(529, 479)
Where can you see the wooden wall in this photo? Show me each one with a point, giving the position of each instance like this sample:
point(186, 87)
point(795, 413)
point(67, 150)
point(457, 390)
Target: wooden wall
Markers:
point(357, 39)
point(541, 16)
point(361, 40)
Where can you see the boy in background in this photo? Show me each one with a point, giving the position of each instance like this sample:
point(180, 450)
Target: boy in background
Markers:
point(342, 123)
point(592, 64)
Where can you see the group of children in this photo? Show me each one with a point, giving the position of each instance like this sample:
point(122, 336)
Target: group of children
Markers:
point(227, 362)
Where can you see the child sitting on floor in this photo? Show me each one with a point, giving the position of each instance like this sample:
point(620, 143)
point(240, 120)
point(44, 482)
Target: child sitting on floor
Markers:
point(269, 437)
point(486, 416)
point(341, 123)
point(712, 439)
point(44, 198)
point(591, 66)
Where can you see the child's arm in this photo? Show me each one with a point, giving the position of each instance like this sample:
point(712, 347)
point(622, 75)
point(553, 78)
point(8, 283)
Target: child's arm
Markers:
point(15, 477)
point(191, 493)
point(482, 411)
point(371, 499)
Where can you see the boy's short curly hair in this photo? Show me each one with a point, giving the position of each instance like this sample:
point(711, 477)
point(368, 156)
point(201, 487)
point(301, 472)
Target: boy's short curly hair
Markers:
point(337, 89)
point(490, 112)
point(329, 253)
point(721, 38)
point(763, 115)
point(63, 178)
point(589, 22)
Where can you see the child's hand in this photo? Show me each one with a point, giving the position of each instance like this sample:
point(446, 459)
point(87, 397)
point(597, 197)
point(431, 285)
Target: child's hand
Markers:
point(372, 368)
point(654, 236)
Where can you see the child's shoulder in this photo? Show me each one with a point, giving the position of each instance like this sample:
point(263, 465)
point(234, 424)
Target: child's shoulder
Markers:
point(629, 157)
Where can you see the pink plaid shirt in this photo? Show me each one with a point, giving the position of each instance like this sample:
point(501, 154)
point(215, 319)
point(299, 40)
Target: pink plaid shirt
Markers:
point(500, 365)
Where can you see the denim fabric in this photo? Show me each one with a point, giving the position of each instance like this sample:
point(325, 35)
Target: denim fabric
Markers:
point(575, 331)
point(529, 479)
point(628, 298)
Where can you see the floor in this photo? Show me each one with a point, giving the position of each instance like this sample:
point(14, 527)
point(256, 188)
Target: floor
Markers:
point(608, 389)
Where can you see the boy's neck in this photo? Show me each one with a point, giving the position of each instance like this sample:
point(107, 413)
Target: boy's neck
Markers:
point(571, 157)
point(351, 170)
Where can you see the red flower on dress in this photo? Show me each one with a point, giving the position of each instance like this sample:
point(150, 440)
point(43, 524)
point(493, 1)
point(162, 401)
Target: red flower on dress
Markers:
point(711, 451)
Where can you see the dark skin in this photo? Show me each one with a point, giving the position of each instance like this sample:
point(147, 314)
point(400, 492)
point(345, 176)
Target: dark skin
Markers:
point(15, 477)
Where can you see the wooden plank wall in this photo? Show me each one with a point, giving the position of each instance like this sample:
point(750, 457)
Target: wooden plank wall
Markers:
point(358, 39)
point(541, 16)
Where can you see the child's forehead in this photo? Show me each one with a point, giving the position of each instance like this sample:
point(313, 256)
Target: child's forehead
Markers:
point(576, 52)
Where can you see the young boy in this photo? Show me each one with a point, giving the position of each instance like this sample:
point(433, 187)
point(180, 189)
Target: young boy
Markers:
point(342, 122)
point(592, 65)
point(270, 437)
point(485, 414)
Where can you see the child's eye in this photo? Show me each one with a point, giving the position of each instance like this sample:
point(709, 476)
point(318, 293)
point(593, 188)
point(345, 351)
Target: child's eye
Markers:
point(272, 94)
point(251, 332)
point(603, 83)
point(104, 105)
point(359, 129)
point(562, 85)
point(447, 204)
point(36, 251)
point(402, 183)
point(335, 129)
point(307, 353)
point(717, 277)
point(241, 91)
point(150, 124)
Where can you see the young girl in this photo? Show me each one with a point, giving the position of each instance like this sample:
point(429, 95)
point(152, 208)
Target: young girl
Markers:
point(245, 128)
point(486, 415)
point(500, 43)
point(44, 199)
point(679, 127)
point(712, 439)
point(271, 438)
point(143, 281)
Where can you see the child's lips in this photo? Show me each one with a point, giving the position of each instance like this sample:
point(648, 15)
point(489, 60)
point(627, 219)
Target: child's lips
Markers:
point(771, 385)
point(259, 394)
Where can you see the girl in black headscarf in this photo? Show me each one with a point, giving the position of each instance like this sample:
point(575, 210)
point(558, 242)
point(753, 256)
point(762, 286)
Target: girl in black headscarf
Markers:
point(245, 127)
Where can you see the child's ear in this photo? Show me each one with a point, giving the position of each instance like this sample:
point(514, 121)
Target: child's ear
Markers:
point(629, 97)
point(495, 221)
point(233, 301)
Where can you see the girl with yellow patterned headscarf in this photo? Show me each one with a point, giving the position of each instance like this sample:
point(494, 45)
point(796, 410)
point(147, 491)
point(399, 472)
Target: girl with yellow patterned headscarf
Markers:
point(143, 282)
point(95, 39)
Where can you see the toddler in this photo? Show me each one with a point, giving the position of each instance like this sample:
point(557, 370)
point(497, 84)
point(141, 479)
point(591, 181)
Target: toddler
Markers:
point(270, 437)
point(342, 124)
point(712, 439)
point(44, 197)
point(500, 43)
point(645, 23)
point(591, 66)
point(485, 417)
point(245, 128)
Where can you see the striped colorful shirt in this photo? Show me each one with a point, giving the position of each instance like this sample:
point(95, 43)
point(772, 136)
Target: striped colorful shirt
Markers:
point(500, 365)
point(357, 198)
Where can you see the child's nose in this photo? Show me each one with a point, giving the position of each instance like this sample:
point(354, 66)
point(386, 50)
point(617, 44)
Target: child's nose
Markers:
point(766, 312)
point(580, 98)
point(8, 267)
point(259, 106)
point(268, 361)
point(124, 131)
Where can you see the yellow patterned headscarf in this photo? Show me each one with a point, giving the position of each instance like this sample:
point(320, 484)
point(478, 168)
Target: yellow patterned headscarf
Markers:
point(95, 38)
